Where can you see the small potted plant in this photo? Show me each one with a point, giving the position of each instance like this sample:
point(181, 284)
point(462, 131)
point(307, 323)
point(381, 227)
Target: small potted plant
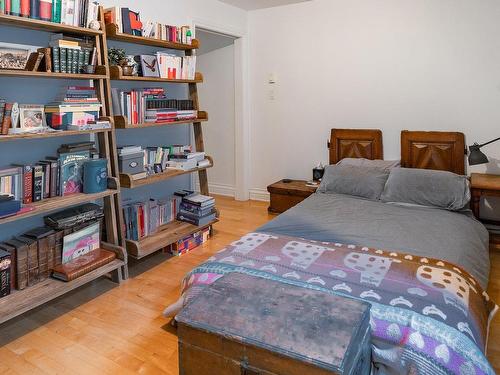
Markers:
point(117, 56)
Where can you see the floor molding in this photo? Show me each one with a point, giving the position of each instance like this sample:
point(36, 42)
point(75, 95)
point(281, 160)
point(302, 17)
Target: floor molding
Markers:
point(259, 195)
point(220, 189)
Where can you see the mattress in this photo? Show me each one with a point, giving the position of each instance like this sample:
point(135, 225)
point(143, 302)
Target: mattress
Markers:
point(427, 232)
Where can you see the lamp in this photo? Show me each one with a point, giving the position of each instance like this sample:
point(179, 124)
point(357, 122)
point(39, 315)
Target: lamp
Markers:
point(476, 156)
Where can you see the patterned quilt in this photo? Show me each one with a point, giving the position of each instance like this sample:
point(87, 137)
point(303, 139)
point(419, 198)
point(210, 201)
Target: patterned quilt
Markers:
point(427, 316)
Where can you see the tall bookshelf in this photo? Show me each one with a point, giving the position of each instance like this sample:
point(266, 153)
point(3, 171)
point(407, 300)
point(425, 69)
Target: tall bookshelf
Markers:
point(19, 302)
point(174, 231)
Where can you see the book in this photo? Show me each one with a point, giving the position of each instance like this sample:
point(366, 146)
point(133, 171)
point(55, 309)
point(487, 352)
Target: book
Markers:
point(80, 243)
point(56, 11)
point(25, 8)
point(32, 246)
point(40, 235)
point(37, 183)
point(5, 273)
point(125, 16)
point(19, 256)
point(199, 200)
point(113, 15)
point(35, 9)
point(83, 265)
point(34, 61)
point(27, 183)
point(198, 221)
point(46, 64)
point(56, 62)
point(46, 10)
point(7, 120)
point(63, 60)
point(71, 171)
point(15, 7)
point(46, 179)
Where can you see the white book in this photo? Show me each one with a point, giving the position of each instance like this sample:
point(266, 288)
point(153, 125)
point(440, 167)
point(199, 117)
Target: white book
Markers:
point(64, 6)
point(76, 18)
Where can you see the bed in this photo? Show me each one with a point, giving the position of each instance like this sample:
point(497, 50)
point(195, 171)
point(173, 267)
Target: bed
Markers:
point(424, 270)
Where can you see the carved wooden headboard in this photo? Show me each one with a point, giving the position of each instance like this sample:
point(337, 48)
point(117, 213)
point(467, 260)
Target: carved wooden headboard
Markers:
point(433, 150)
point(355, 143)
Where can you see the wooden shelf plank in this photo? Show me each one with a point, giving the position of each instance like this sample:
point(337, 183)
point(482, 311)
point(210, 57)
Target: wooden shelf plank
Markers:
point(28, 74)
point(121, 122)
point(127, 180)
point(13, 137)
point(166, 235)
point(29, 23)
point(113, 34)
point(21, 301)
point(117, 75)
point(53, 204)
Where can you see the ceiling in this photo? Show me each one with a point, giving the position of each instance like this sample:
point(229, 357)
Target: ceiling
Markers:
point(259, 4)
point(210, 41)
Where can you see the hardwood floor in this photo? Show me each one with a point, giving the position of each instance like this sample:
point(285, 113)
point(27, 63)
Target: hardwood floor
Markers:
point(105, 329)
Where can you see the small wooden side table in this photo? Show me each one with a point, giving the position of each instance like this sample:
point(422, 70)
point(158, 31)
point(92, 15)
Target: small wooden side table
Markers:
point(285, 195)
point(483, 185)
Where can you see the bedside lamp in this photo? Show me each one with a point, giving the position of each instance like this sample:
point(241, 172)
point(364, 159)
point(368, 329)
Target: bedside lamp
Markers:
point(476, 156)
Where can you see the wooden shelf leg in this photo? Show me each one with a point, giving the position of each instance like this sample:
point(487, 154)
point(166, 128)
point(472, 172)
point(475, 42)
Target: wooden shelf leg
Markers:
point(117, 276)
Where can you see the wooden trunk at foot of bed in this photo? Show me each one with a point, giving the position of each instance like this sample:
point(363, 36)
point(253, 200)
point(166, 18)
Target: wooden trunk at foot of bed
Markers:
point(249, 325)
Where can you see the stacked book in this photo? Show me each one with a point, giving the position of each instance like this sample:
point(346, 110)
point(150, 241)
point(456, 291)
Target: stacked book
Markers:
point(186, 160)
point(190, 242)
point(129, 22)
point(150, 105)
point(144, 218)
point(68, 12)
point(71, 55)
point(197, 209)
point(75, 109)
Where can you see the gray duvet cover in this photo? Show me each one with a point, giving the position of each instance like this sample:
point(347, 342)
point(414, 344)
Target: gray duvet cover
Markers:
point(430, 232)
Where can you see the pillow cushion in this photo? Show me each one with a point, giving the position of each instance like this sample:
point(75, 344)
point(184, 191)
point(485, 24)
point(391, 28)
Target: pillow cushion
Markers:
point(362, 162)
point(427, 188)
point(350, 180)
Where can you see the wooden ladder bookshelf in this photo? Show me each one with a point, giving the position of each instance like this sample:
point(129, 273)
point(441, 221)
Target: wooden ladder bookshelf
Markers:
point(21, 301)
point(176, 230)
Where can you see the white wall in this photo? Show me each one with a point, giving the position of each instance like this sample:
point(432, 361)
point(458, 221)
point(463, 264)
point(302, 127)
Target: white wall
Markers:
point(388, 64)
point(217, 98)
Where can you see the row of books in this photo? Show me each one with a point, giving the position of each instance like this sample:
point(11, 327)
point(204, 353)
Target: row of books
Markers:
point(150, 105)
point(197, 209)
point(34, 255)
point(67, 12)
point(144, 218)
point(176, 67)
point(129, 22)
point(71, 55)
point(55, 176)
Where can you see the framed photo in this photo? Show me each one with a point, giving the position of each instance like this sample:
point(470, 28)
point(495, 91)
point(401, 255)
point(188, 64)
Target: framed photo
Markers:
point(13, 58)
point(149, 65)
point(31, 118)
point(81, 243)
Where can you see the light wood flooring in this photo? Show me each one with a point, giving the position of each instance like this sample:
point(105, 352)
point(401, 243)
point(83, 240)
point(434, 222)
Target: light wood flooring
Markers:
point(105, 329)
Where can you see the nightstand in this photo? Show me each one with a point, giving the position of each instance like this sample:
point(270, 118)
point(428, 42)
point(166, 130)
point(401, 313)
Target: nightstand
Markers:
point(285, 195)
point(483, 185)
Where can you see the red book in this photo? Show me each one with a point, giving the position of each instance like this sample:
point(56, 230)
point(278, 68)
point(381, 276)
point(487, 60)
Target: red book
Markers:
point(7, 7)
point(46, 10)
point(25, 8)
point(7, 119)
point(27, 183)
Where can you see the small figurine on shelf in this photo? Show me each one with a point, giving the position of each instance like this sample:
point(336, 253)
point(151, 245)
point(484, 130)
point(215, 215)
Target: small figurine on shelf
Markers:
point(117, 57)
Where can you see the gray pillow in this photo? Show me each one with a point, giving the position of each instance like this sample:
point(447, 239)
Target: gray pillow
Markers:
point(362, 162)
point(358, 181)
point(427, 188)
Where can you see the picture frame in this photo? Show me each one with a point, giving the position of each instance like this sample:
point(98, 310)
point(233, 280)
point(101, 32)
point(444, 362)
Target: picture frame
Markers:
point(149, 65)
point(81, 242)
point(31, 118)
point(14, 56)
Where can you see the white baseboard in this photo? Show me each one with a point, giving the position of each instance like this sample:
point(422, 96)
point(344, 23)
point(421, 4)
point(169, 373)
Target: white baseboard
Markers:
point(259, 195)
point(219, 189)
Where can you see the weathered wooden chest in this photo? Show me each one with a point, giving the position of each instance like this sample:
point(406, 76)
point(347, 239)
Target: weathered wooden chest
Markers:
point(249, 325)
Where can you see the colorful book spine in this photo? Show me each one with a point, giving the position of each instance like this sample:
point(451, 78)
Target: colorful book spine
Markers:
point(37, 183)
point(27, 184)
point(7, 6)
point(56, 62)
point(76, 58)
point(35, 9)
point(81, 61)
point(69, 60)
point(86, 56)
point(25, 8)
point(56, 11)
point(7, 119)
point(2, 6)
point(15, 7)
point(46, 10)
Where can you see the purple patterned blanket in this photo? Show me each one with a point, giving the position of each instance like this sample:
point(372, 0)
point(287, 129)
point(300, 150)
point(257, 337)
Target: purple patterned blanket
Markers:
point(427, 316)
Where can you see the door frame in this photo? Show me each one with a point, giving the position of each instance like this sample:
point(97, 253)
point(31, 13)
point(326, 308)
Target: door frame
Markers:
point(241, 101)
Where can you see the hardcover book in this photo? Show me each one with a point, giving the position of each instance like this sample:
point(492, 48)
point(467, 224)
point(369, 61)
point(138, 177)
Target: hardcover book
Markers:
point(37, 183)
point(83, 265)
point(71, 171)
point(5, 270)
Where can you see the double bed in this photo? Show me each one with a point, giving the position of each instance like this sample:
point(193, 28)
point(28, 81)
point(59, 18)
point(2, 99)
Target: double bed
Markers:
point(424, 269)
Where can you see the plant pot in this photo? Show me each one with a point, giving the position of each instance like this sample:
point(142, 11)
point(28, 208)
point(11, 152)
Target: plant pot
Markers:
point(127, 70)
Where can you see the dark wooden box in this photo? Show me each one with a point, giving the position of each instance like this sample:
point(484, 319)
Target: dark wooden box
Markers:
point(285, 195)
point(247, 325)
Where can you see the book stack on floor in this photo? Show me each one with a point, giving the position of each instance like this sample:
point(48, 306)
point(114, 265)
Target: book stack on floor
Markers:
point(77, 108)
point(129, 22)
point(190, 242)
point(68, 12)
point(144, 218)
point(44, 251)
point(150, 105)
point(197, 209)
